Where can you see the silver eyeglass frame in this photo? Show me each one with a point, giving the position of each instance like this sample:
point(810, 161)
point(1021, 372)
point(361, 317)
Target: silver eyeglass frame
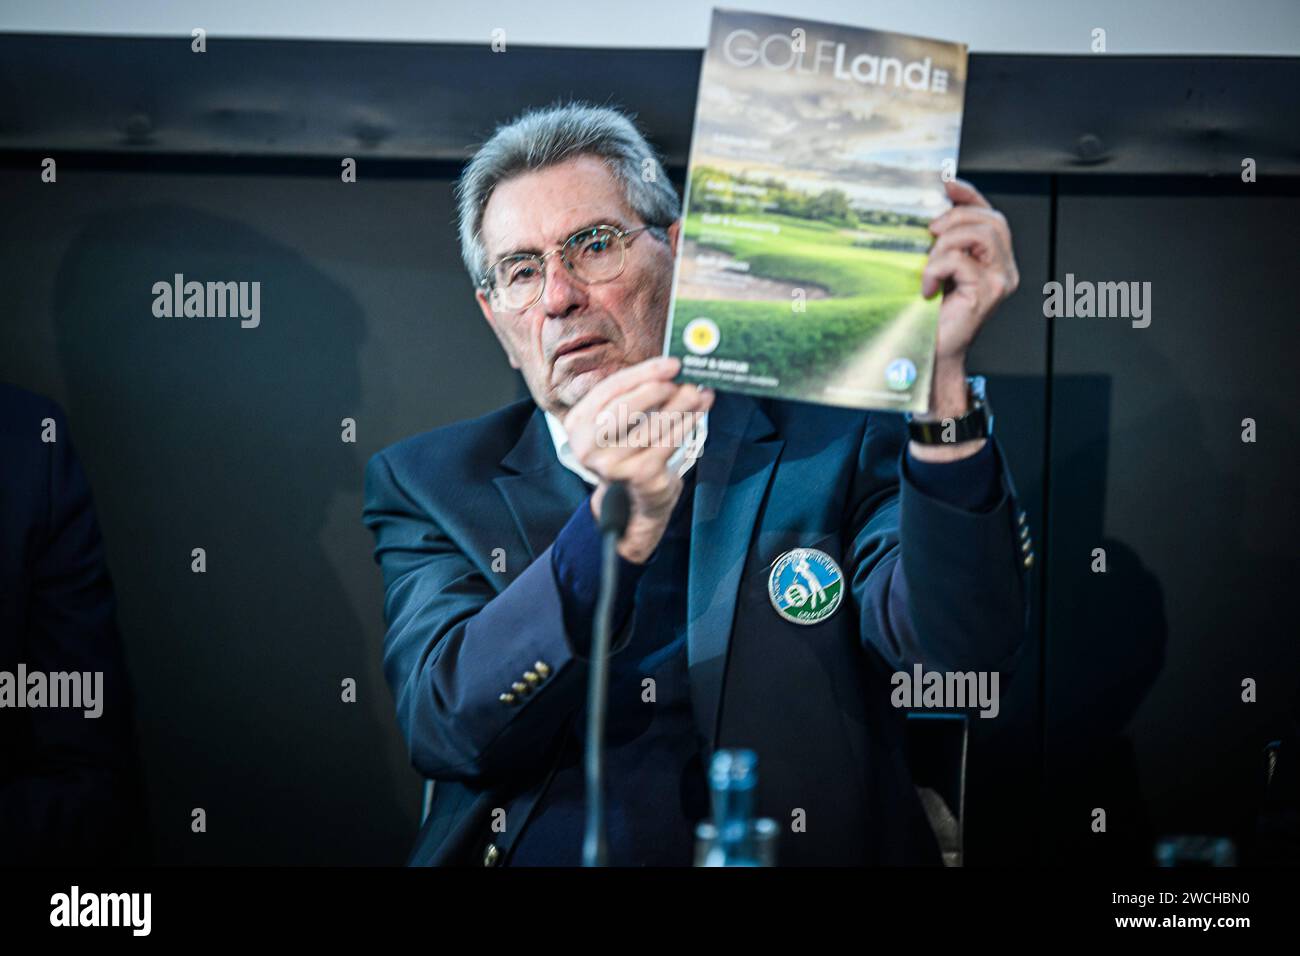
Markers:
point(624, 236)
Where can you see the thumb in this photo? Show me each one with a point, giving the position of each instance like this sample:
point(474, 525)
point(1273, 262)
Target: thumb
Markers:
point(963, 193)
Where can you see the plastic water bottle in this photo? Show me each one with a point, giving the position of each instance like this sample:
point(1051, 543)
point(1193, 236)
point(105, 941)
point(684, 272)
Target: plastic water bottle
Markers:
point(735, 837)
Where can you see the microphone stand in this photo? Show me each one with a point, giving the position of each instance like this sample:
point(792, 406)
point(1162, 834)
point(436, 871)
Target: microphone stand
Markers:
point(614, 511)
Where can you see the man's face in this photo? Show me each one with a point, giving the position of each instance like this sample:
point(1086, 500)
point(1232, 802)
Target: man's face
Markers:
point(576, 334)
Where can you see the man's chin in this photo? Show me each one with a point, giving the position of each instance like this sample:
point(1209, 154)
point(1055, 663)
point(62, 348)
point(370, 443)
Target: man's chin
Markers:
point(577, 385)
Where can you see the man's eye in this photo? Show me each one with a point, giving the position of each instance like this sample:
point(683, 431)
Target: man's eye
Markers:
point(521, 273)
point(595, 247)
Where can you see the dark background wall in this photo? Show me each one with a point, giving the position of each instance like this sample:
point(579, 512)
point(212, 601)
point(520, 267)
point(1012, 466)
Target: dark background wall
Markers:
point(197, 433)
point(201, 434)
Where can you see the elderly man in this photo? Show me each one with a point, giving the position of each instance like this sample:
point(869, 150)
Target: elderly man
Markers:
point(485, 532)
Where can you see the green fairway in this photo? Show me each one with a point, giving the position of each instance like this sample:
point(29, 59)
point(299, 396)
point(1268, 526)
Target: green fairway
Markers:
point(867, 289)
point(805, 251)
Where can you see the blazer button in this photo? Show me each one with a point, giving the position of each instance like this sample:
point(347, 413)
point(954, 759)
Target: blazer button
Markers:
point(1022, 517)
point(520, 688)
point(543, 669)
point(1029, 560)
point(1024, 532)
point(531, 678)
point(1026, 545)
point(507, 698)
point(491, 855)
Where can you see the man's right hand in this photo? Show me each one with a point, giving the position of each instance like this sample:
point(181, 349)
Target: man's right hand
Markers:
point(652, 489)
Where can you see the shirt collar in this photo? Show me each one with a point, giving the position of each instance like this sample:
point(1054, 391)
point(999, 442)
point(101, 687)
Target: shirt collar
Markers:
point(682, 459)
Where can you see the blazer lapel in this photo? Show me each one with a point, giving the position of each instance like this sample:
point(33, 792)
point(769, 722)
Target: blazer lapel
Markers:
point(733, 475)
point(735, 470)
point(539, 491)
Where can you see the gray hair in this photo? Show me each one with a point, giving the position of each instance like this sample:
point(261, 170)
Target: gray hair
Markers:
point(544, 137)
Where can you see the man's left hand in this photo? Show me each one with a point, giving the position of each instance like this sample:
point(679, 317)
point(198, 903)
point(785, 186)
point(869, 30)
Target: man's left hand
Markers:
point(972, 262)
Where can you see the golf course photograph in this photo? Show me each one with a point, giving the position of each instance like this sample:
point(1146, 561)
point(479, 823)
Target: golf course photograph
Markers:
point(805, 231)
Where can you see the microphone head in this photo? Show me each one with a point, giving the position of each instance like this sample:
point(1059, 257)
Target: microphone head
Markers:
point(615, 508)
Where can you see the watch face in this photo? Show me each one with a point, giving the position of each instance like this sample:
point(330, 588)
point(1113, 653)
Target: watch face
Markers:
point(979, 420)
point(977, 390)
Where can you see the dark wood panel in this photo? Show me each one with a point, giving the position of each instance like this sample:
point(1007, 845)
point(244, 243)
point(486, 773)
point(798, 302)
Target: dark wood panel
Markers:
point(430, 103)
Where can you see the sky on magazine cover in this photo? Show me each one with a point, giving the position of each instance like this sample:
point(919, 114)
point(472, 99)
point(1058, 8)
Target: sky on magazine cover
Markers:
point(883, 146)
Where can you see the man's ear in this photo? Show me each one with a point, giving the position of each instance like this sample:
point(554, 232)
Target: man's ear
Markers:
point(674, 233)
point(486, 307)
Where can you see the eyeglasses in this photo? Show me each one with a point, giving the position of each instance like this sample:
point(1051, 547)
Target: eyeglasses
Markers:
point(593, 255)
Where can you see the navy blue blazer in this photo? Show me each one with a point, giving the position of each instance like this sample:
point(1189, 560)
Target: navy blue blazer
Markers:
point(930, 583)
point(68, 784)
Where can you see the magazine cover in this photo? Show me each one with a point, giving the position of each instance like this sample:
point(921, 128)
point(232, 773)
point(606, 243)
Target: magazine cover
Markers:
point(817, 161)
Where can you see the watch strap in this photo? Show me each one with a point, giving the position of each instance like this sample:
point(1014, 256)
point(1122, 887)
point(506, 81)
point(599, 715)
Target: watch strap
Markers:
point(976, 423)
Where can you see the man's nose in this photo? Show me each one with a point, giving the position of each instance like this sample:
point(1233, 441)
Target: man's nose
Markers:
point(563, 292)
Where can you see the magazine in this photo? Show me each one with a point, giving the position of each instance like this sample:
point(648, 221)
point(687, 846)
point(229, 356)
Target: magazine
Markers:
point(817, 161)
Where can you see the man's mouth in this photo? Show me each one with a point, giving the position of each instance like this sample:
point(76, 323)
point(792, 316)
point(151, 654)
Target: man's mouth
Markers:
point(579, 346)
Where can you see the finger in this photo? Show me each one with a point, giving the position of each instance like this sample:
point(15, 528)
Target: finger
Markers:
point(1002, 252)
point(678, 397)
point(981, 240)
point(641, 398)
point(645, 470)
point(671, 424)
point(963, 193)
point(668, 424)
point(690, 398)
point(666, 429)
point(645, 406)
point(645, 467)
point(955, 264)
point(967, 215)
point(661, 368)
point(610, 424)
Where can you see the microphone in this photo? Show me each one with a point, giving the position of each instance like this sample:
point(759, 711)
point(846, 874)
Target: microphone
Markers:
point(615, 509)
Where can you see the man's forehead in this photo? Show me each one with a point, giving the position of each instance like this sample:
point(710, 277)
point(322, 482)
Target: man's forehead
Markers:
point(534, 211)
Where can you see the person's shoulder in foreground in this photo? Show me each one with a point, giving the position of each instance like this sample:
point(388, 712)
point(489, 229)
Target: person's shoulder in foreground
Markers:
point(20, 410)
point(67, 783)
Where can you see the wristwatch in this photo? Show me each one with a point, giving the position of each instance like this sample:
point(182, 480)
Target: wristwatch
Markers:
point(976, 423)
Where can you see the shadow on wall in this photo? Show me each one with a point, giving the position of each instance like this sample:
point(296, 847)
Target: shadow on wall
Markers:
point(203, 434)
point(1107, 635)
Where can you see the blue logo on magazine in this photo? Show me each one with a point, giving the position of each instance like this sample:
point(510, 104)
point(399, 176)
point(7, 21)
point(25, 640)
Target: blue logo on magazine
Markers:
point(900, 374)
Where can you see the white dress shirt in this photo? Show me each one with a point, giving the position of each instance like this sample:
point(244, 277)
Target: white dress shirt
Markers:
point(682, 458)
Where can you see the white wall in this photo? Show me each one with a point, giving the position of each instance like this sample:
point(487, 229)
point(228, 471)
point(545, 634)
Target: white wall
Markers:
point(1250, 27)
